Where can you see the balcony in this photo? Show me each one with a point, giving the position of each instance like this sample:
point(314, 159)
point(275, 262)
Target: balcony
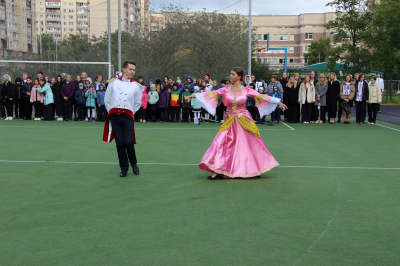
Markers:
point(28, 15)
point(82, 19)
point(3, 34)
point(53, 4)
point(53, 30)
point(53, 12)
point(2, 13)
point(29, 39)
point(53, 18)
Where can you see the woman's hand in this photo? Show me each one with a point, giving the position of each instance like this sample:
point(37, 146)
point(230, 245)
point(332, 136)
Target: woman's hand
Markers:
point(190, 97)
point(347, 100)
point(284, 107)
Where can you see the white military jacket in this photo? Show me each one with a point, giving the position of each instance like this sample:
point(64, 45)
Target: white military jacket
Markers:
point(123, 95)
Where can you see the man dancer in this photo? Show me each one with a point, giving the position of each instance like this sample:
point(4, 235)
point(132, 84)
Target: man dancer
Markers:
point(123, 98)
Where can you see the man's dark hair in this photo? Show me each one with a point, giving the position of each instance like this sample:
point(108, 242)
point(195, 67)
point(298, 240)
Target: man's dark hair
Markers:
point(140, 77)
point(128, 62)
point(274, 77)
point(40, 72)
point(29, 78)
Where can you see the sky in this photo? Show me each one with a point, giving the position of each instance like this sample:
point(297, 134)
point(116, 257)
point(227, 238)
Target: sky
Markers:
point(259, 7)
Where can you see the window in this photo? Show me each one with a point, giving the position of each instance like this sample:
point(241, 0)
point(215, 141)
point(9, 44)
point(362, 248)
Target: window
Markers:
point(70, 10)
point(65, 23)
point(306, 48)
point(65, 17)
point(309, 36)
point(41, 22)
point(291, 60)
point(65, 10)
point(259, 37)
point(41, 16)
point(283, 37)
point(64, 4)
point(71, 17)
point(281, 61)
point(71, 30)
point(71, 4)
point(265, 37)
point(291, 50)
point(292, 37)
point(71, 24)
point(275, 60)
point(41, 3)
point(41, 10)
point(65, 29)
point(275, 37)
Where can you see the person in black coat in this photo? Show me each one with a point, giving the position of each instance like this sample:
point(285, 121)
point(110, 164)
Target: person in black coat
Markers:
point(58, 99)
point(292, 100)
point(26, 92)
point(8, 94)
point(19, 99)
point(361, 98)
point(331, 97)
point(284, 81)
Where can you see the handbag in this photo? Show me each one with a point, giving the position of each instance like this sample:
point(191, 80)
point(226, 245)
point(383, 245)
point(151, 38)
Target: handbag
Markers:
point(346, 107)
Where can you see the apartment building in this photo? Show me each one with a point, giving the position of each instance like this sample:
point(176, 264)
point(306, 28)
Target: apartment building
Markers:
point(63, 17)
point(17, 28)
point(292, 32)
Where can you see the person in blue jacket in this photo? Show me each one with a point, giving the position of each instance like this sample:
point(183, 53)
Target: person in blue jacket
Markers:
point(80, 100)
point(91, 103)
point(48, 99)
point(101, 93)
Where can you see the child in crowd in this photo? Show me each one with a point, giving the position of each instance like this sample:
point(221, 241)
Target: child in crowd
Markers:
point(196, 107)
point(143, 106)
point(101, 116)
point(90, 103)
point(186, 106)
point(215, 85)
point(169, 110)
point(37, 100)
point(19, 99)
point(176, 99)
point(27, 98)
point(180, 84)
point(140, 80)
point(88, 81)
point(80, 99)
point(259, 119)
point(52, 81)
point(276, 115)
point(44, 87)
point(250, 102)
point(97, 82)
point(153, 100)
point(151, 82)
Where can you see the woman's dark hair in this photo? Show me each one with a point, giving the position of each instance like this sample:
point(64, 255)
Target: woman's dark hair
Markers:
point(164, 79)
point(42, 79)
point(239, 71)
point(59, 76)
point(361, 75)
point(373, 77)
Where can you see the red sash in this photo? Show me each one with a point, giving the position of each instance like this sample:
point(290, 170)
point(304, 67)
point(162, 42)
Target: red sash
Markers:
point(108, 134)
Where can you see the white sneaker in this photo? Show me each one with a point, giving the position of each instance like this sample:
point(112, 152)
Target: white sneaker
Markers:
point(10, 118)
point(369, 123)
point(7, 118)
point(35, 119)
point(59, 119)
point(38, 119)
point(372, 123)
point(86, 119)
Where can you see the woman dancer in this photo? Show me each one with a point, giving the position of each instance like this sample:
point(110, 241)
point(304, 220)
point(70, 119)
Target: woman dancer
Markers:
point(231, 153)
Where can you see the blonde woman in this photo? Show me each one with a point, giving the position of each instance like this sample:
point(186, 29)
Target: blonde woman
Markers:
point(320, 98)
point(306, 99)
point(291, 98)
point(375, 98)
point(347, 92)
point(331, 97)
point(297, 81)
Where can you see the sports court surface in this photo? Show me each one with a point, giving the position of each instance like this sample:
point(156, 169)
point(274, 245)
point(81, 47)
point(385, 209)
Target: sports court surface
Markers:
point(334, 199)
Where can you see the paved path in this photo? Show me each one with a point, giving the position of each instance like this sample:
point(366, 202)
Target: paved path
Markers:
point(389, 113)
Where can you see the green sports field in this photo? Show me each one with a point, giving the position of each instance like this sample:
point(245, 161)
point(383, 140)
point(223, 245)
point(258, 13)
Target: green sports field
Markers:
point(334, 199)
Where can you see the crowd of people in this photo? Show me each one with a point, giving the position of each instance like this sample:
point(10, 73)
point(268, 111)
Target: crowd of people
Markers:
point(309, 100)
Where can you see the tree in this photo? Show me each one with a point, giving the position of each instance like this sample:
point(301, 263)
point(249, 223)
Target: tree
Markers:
point(347, 29)
point(382, 37)
point(319, 51)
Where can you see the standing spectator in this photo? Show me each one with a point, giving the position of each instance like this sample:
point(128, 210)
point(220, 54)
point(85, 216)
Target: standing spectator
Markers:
point(176, 99)
point(91, 103)
point(189, 82)
point(331, 97)
point(381, 83)
point(39, 75)
point(77, 81)
point(163, 104)
point(44, 87)
point(102, 114)
point(80, 100)
point(165, 81)
point(347, 92)
point(58, 98)
point(19, 100)
point(292, 99)
point(83, 76)
point(140, 80)
point(250, 102)
point(284, 81)
point(27, 98)
point(8, 94)
point(143, 106)
point(361, 98)
point(313, 78)
point(68, 93)
point(196, 106)
point(37, 100)
point(375, 97)
point(314, 110)
point(297, 81)
point(180, 84)
point(253, 78)
point(320, 98)
point(153, 100)
point(207, 78)
point(306, 99)
point(276, 115)
point(186, 106)
point(270, 88)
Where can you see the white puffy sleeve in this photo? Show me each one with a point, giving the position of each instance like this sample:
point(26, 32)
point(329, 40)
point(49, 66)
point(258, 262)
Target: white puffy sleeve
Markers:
point(137, 97)
point(108, 96)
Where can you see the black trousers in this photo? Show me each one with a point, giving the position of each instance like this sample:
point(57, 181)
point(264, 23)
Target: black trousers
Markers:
point(164, 114)
point(10, 108)
point(142, 113)
point(276, 115)
point(19, 109)
point(372, 111)
point(292, 112)
point(123, 133)
point(81, 111)
point(185, 114)
point(175, 113)
point(339, 111)
point(48, 112)
point(38, 109)
point(306, 112)
point(322, 113)
point(68, 109)
point(251, 111)
point(102, 114)
point(314, 112)
point(360, 111)
point(28, 108)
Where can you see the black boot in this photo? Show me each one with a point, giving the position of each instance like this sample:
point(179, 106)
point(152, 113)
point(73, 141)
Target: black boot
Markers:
point(123, 173)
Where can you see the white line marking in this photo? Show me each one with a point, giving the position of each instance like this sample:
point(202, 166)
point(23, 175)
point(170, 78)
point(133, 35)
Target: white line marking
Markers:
point(388, 127)
point(390, 113)
point(390, 116)
point(156, 128)
point(177, 164)
point(288, 126)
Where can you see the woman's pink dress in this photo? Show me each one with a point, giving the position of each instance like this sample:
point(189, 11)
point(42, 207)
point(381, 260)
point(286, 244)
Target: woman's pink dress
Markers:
point(238, 151)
